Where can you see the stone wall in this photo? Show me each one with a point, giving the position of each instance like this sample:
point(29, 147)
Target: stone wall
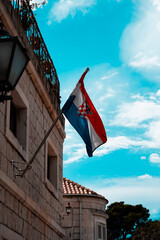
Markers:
point(86, 213)
point(33, 184)
point(30, 207)
point(20, 221)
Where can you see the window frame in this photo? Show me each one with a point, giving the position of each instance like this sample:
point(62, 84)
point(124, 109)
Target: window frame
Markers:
point(51, 149)
point(100, 222)
point(18, 95)
point(102, 227)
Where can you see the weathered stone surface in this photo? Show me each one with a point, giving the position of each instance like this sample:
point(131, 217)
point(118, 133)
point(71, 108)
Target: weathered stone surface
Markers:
point(28, 209)
point(87, 212)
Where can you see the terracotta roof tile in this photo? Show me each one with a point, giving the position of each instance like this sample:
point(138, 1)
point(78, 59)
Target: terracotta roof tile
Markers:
point(70, 187)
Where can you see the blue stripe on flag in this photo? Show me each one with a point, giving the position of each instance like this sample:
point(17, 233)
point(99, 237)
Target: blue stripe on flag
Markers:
point(80, 124)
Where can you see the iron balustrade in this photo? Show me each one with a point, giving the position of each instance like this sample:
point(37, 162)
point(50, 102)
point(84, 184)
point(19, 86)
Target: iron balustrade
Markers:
point(26, 17)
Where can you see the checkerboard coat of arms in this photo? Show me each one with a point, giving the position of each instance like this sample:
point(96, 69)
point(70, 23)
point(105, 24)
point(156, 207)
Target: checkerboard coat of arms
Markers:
point(83, 110)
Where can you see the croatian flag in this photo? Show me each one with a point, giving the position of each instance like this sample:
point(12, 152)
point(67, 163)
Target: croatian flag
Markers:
point(81, 113)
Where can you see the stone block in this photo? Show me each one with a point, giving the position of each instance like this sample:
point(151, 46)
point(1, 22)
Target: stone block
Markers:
point(2, 123)
point(15, 206)
point(40, 117)
point(76, 236)
point(32, 233)
point(19, 224)
point(37, 235)
point(10, 169)
point(8, 202)
point(42, 237)
point(24, 213)
point(47, 231)
point(39, 102)
point(3, 147)
point(28, 216)
point(2, 194)
point(1, 211)
point(4, 214)
point(2, 108)
point(33, 220)
point(9, 153)
point(14, 221)
point(20, 206)
point(76, 230)
point(25, 230)
point(9, 218)
point(32, 88)
point(76, 211)
point(41, 226)
point(76, 223)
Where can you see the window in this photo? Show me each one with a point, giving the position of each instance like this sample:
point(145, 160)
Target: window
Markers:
point(17, 121)
point(101, 232)
point(13, 119)
point(51, 172)
point(104, 233)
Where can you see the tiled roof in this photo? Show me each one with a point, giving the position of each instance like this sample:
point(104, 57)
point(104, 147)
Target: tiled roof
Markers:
point(73, 188)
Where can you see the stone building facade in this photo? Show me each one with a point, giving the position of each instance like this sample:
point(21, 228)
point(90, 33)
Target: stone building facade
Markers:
point(30, 207)
point(87, 219)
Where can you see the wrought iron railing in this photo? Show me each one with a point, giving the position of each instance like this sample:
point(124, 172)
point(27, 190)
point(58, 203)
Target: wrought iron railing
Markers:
point(29, 23)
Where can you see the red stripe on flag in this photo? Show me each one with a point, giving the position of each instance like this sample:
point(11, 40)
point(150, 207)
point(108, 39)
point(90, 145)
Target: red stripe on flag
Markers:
point(94, 118)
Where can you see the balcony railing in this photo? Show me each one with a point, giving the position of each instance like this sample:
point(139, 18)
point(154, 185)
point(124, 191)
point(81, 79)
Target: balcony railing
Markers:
point(30, 26)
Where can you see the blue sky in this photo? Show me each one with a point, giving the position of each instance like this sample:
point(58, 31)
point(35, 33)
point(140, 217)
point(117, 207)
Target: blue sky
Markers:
point(119, 40)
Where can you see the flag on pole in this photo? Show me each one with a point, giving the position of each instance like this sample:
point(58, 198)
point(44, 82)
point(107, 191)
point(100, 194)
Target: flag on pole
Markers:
point(81, 113)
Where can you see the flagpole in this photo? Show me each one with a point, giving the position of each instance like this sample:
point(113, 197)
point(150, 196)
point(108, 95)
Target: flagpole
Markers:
point(41, 144)
point(65, 107)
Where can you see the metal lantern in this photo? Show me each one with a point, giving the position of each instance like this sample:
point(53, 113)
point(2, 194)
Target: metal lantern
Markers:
point(68, 208)
point(13, 60)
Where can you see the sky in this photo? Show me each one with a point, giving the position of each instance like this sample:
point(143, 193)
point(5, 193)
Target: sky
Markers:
point(119, 40)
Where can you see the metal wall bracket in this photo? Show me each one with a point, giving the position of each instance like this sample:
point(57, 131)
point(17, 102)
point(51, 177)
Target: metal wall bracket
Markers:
point(20, 167)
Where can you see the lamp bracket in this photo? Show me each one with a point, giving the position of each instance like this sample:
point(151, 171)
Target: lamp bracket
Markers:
point(16, 165)
point(5, 98)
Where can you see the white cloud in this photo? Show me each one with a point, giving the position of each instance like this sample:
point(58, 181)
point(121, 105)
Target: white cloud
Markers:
point(108, 94)
point(123, 142)
point(142, 60)
point(109, 76)
point(158, 93)
point(76, 152)
point(74, 147)
point(154, 132)
point(154, 158)
point(148, 140)
point(139, 44)
point(143, 158)
point(145, 176)
point(143, 113)
point(156, 3)
point(134, 113)
point(154, 211)
point(132, 190)
point(76, 155)
point(63, 8)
